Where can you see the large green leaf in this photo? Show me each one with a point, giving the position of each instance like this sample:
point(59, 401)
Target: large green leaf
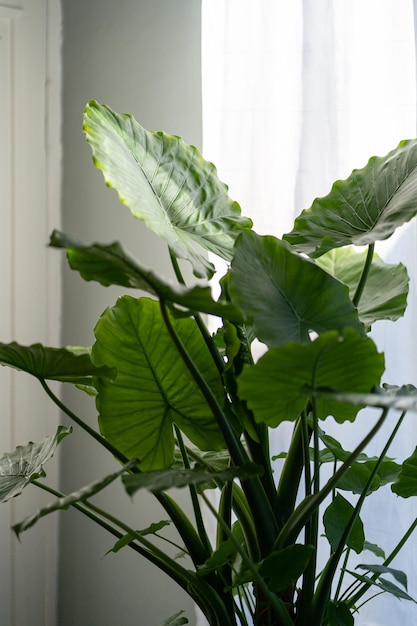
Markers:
point(336, 518)
point(278, 386)
point(111, 265)
point(386, 289)
point(153, 387)
point(406, 484)
point(366, 207)
point(67, 365)
point(25, 463)
point(285, 294)
point(166, 183)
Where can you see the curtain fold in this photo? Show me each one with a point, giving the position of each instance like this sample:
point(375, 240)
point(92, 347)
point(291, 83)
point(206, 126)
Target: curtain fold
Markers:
point(296, 94)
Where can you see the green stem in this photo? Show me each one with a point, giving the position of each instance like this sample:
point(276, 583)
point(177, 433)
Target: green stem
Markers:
point(290, 478)
point(324, 586)
point(303, 512)
point(276, 603)
point(195, 586)
point(216, 356)
point(311, 528)
point(194, 496)
point(93, 433)
point(364, 275)
point(193, 543)
point(365, 586)
point(258, 502)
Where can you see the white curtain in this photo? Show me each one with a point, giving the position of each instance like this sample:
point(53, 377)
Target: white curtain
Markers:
point(296, 94)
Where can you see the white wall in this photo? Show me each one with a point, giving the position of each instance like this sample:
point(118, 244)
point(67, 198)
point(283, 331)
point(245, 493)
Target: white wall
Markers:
point(29, 283)
point(142, 57)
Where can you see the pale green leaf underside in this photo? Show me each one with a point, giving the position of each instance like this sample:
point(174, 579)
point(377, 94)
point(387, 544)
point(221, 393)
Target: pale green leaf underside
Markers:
point(285, 295)
point(386, 289)
point(25, 463)
point(66, 365)
point(153, 387)
point(166, 183)
point(366, 207)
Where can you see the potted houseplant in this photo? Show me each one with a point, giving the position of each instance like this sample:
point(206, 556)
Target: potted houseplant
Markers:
point(179, 406)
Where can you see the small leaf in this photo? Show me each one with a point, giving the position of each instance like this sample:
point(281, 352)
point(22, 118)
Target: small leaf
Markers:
point(284, 294)
point(276, 388)
point(367, 207)
point(25, 463)
point(175, 620)
point(399, 576)
point(126, 539)
point(386, 289)
point(284, 567)
point(338, 614)
point(384, 585)
point(167, 479)
point(376, 550)
point(336, 518)
point(66, 365)
point(167, 184)
point(406, 484)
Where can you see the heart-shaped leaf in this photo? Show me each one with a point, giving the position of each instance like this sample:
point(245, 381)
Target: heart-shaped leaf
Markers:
point(336, 518)
point(285, 294)
point(111, 265)
point(277, 387)
point(67, 365)
point(366, 207)
point(166, 183)
point(153, 387)
point(386, 289)
point(25, 463)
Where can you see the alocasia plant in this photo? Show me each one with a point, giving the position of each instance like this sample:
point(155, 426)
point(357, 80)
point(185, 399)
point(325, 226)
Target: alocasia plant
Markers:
point(180, 407)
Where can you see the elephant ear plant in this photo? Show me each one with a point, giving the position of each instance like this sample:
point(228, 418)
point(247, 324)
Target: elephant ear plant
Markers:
point(179, 406)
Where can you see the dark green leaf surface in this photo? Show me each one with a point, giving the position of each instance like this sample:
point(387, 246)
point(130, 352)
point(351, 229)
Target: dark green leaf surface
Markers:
point(386, 289)
point(153, 387)
point(406, 485)
point(284, 567)
point(277, 387)
point(111, 265)
point(67, 365)
point(367, 207)
point(336, 518)
point(284, 294)
point(338, 614)
point(25, 463)
point(166, 183)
